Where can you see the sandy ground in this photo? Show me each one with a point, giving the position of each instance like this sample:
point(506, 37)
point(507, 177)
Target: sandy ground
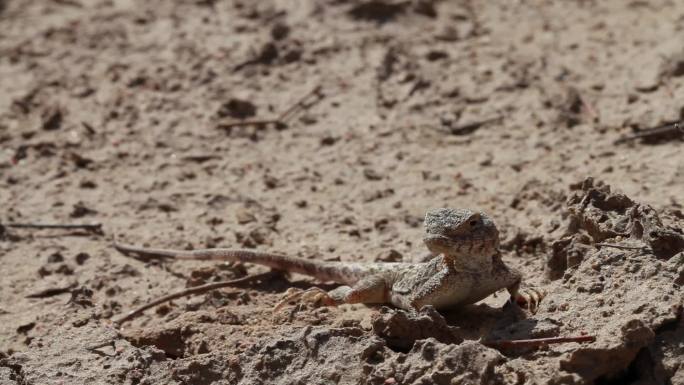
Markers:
point(119, 112)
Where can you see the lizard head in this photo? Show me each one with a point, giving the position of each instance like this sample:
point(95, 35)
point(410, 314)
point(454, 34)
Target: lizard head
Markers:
point(460, 232)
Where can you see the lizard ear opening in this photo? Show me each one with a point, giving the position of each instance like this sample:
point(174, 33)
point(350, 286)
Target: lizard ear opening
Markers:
point(474, 220)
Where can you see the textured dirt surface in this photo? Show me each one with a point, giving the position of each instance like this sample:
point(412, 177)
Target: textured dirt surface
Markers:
point(120, 112)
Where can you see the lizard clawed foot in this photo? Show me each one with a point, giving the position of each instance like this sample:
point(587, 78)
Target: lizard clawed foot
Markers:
point(315, 295)
point(529, 298)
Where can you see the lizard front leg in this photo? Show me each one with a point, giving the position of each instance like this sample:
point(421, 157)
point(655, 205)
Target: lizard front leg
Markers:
point(529, 297)
point(509, 278)
point(371, 289)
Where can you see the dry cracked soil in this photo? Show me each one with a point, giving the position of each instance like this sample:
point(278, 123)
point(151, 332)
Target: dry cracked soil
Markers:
point(366, 113)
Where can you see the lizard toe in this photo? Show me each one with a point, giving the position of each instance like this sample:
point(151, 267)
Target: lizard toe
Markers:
point(530, 298)
point(291, 294)
point(314, 295)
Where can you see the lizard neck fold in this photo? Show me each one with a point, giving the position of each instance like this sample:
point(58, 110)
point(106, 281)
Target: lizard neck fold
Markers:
point(470, 263)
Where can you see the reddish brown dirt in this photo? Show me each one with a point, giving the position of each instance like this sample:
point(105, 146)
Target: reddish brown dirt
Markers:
point(118, 112)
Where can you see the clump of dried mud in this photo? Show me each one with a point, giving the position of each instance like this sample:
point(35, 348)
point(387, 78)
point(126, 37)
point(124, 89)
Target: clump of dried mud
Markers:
point(368, 113)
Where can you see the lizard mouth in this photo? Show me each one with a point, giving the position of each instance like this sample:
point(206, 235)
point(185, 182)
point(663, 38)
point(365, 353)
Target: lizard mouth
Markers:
point(484, 244)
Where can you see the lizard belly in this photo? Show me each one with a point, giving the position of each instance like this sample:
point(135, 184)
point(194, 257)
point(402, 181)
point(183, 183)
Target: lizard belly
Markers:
point(438, 301)
point(448, 301)
point(479, 293)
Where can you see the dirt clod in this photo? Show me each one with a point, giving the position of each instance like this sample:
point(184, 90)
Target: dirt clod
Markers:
point(238, 109)
point(401, 329)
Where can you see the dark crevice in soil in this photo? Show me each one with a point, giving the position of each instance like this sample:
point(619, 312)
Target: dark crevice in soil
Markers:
point(645, 368)
point(670, 326)
point(628, 376)
point(17, 374)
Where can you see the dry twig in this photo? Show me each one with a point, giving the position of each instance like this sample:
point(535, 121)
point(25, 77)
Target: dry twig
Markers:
point(469, 128)
point(52, 291)
point(94, 227)
point(191, 291)
point(656, 133)
point(255, 122)
point(281, 120)
point(535, 342)
point(623, 247)
point(316, 91)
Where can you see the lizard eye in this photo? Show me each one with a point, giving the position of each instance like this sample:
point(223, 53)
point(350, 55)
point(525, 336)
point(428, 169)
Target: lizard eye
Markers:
point(473, 223)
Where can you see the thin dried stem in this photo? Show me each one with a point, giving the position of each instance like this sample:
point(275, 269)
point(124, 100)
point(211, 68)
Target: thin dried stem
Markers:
point(299, 104)
point(623, 247)
point(666, 130)
point(535, 342)
point(94, 227)
point(192, 291)
point(255, 122)
point(281, 120)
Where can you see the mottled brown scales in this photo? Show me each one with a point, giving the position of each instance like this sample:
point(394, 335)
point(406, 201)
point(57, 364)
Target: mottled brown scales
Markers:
point(467, 268)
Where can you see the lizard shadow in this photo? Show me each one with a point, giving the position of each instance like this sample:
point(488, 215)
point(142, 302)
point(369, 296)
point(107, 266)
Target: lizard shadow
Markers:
point(475, 321)
point(485, 322)
point(469, 322)
point(281, 282)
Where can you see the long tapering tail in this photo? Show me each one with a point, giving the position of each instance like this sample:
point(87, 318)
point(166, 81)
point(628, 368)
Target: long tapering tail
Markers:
point(325, 271)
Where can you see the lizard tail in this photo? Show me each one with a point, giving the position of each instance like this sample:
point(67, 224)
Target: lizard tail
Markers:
point(325, 271)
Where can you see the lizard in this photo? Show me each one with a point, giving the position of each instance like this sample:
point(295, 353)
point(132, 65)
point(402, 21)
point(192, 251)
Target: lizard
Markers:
point(466, 267)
